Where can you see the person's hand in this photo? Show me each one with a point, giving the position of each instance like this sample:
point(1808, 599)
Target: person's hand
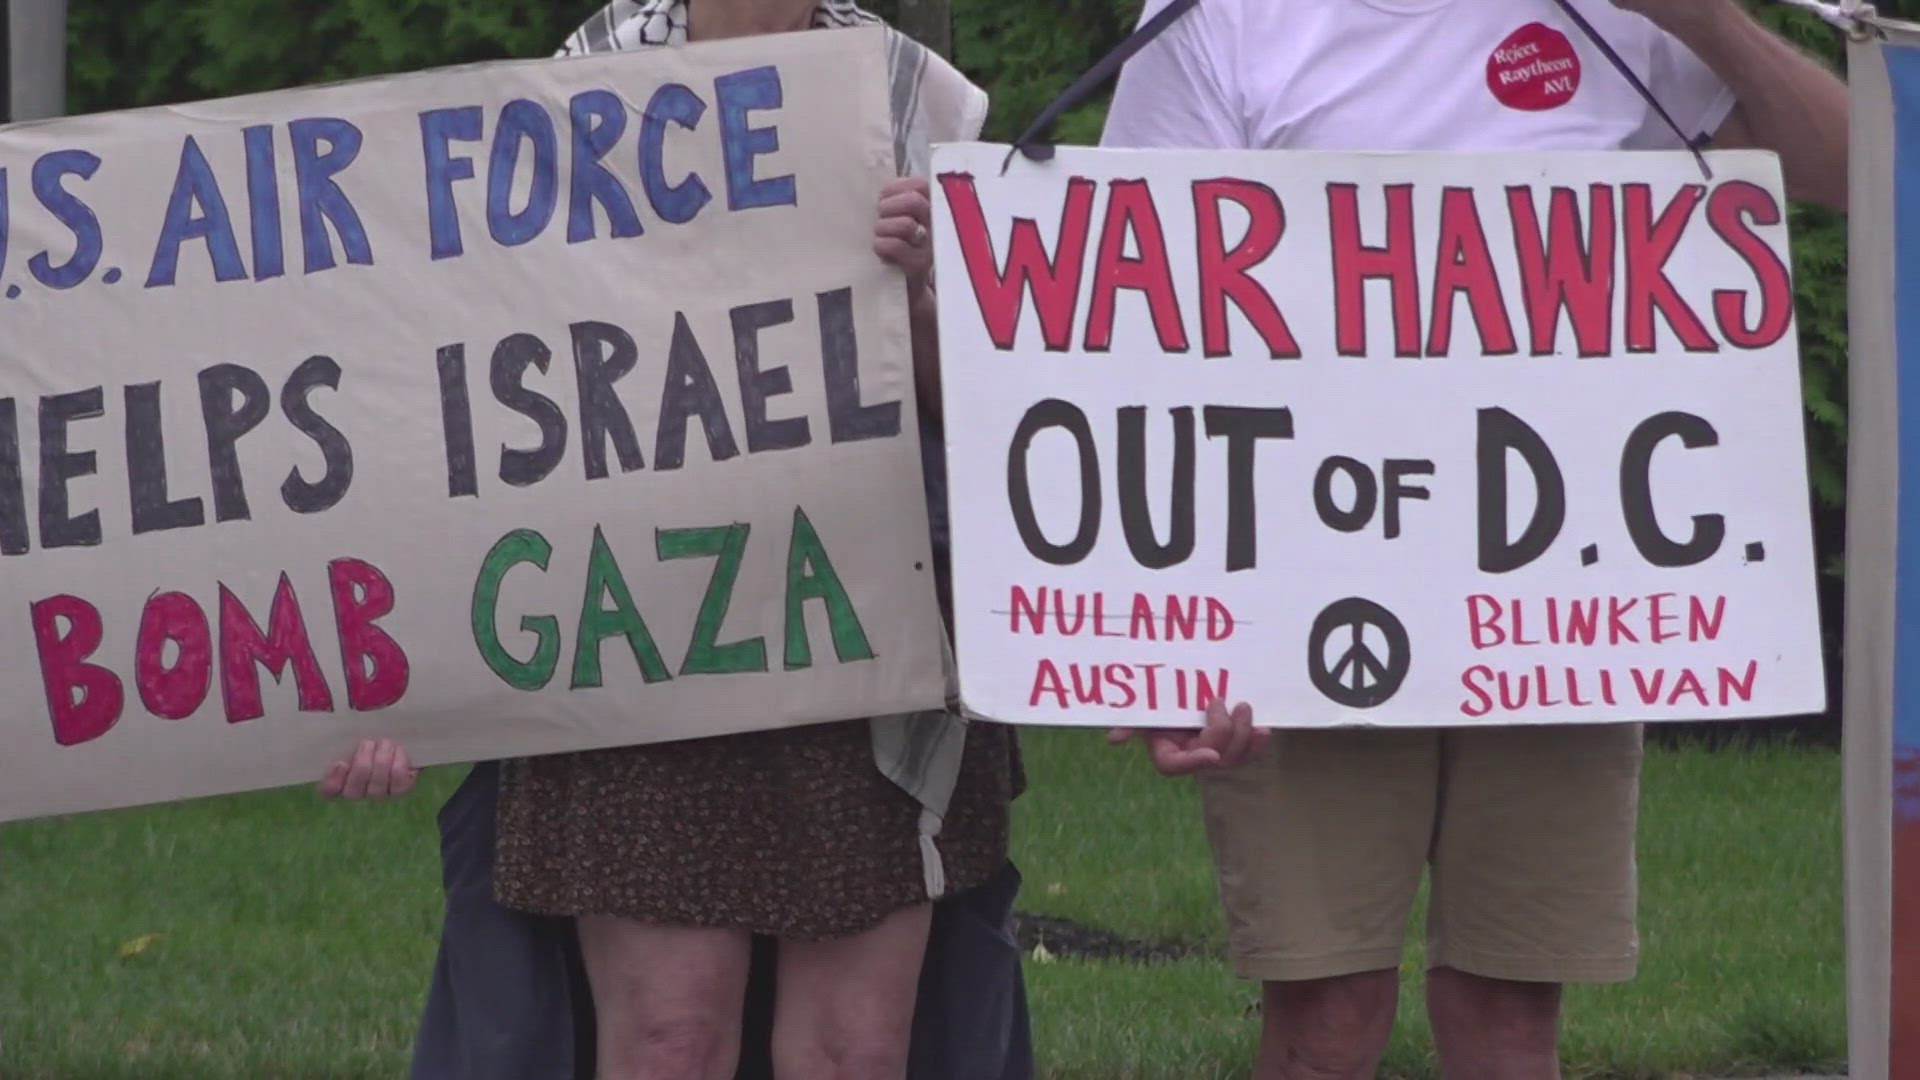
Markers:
point(901, 236)
point(377, 769)
point(1228, 739)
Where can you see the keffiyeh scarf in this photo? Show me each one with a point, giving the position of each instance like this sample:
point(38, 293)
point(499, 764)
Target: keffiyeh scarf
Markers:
point(931, 103)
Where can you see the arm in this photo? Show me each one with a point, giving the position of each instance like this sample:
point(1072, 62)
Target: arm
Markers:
point(1789, 103)
point(901, 237)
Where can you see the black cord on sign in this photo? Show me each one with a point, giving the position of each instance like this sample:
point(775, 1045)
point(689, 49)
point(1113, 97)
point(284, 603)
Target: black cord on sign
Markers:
point(1029, 142)
point(1691, 142)
point(6, 61)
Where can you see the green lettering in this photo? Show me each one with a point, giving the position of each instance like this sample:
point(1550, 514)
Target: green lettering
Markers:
point(597, 623)
point(519, 546)
point(705, 655)
point(810, 576)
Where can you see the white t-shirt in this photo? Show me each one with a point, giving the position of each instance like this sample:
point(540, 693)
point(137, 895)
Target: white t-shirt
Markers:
point(1407, 75)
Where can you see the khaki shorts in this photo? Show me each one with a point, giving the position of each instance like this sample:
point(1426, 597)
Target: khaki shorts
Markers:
point(1320, 843)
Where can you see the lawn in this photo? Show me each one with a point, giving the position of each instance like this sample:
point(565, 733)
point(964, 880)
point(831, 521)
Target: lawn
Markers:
point(269, 935)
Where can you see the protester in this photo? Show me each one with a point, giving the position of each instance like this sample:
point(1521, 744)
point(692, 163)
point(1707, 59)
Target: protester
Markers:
point(1321, 840)
point(834, 836)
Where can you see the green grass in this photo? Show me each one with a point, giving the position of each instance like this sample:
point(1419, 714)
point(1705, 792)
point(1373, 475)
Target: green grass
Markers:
point(1742, 938)
point(294, 939)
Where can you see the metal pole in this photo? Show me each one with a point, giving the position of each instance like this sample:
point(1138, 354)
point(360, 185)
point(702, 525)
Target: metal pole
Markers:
point(930, 22)
point(35, 68)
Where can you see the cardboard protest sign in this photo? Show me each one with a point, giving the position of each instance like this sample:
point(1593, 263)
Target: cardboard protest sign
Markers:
point(502, 410)
point(1396, 440)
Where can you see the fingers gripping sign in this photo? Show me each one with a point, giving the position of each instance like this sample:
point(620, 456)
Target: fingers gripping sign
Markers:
point(377, 769)
point(1229, 738)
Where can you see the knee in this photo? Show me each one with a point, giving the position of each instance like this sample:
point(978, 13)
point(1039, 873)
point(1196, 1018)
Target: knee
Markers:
point(1327, 1028)
point(1499, 1015)
point(841, 1054)
point(686, 1047)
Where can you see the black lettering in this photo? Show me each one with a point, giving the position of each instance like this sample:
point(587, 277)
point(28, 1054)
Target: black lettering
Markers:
point(601, 414)
point(511, 358)
point(57, 466)
point(1366, 495)
point(147, 468)
point(1398, 490)
point(756, 385)
point(1053, 413)
point(225, 422)
point(1136, 520)
point(690, 391)
point(1636, 492)
point(301, 496)
point(1501, 432)
point(456, 421)
point(14, 539)
point(1244, 427)
point(847, 418)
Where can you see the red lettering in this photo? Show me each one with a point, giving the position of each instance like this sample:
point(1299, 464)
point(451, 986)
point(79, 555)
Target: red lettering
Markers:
point(176, 692)
point(1182, 622)
point(1130, 211)
point(1617, 612)
point(377, 668)
point(1079, 613)
point(1729, 209)
point(1518, 700)
point(1567, 272)
point(1223, 273)
point(1219, 620)
point(1483, 617)
point(1649, 243)
point(1355, 263)
point(64, 670)
point(1153, 684)
point(1141, 624)
point(1657, 618)
point(1120, 677)
point(1741, 686)
point(1034, 607)
point(1046, 680)
point(1485, 703)
point(1053, 280)
point(243, 646)
point(1583, 622)
point(1688, 683)
point(1649, 692)
point(1087, 693)
point(1700, 625)
point(1464, 265)
point(1211, 690)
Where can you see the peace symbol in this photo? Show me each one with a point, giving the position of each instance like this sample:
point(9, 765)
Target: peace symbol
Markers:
point(1358, 677)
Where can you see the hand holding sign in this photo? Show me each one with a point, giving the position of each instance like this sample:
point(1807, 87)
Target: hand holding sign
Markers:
point(1228, 739)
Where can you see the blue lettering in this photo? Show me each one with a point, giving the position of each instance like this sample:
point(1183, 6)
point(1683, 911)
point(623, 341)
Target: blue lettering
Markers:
point(522, 120)
point(740, 93)
point(321, 200)
point(263, 199)
point(77, 216)
point(438, 127)
point(194, 185)
point(675, 203)
point(599, 119)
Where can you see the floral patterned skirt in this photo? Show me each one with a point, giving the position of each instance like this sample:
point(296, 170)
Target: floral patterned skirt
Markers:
point(792, 832)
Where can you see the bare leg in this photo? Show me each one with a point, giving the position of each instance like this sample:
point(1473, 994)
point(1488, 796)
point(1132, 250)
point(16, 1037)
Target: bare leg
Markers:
point(668, 998)
point(1327, 1029)
point(845, 1008)
point(1494, 1029)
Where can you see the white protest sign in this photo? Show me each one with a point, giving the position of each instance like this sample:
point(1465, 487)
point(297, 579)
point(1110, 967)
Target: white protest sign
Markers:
point(501, 410)
point(1396, 440)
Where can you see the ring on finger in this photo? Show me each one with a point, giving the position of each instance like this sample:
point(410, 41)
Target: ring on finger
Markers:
point(919, 234)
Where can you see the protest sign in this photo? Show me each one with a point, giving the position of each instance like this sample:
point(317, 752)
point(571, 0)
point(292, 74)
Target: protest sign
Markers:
point(1881, 716)
point(501, 410)
point(1397, 440)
